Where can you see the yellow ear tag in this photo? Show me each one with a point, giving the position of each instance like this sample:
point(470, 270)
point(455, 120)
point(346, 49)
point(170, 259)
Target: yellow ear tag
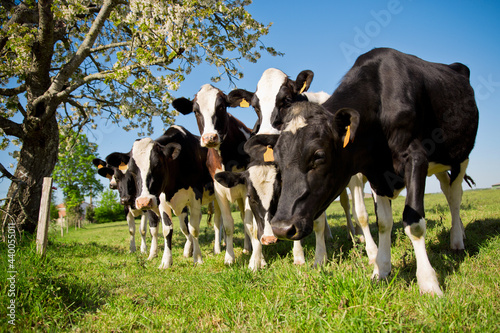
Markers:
point(347, 136)
point(123, 166)
point(244, 103)
point(268, 155)
point(303, 88)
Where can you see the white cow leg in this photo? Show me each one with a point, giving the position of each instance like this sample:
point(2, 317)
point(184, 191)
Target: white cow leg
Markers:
point(382, 266)
point(344, 202)
point(153, 229)
point(256, 259)
point(131, 229)
point(217, 228)
point(247, 243)
point(143, 228)
point(194, 230)
point(426, 276)
point(453, 193)
point(228, 221)
point(183, 224)
point(168, 230)
point(319, 228)
point(298, 253)
point(361, 215)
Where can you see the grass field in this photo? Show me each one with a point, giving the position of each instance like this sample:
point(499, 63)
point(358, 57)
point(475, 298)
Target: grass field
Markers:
point(88, 282)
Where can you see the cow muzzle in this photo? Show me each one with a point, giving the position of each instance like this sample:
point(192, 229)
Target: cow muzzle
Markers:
point(145, 203)
point(210, 140)
point(293, 229)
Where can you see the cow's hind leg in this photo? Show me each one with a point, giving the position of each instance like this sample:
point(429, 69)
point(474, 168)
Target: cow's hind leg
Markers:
point(168, 230)
point(183, 224)
point(382, 265)
point(453, 193)
point(194, 230)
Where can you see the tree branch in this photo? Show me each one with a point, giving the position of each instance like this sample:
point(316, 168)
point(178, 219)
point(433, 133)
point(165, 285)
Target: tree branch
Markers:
point(11, 128)
point(13, 91)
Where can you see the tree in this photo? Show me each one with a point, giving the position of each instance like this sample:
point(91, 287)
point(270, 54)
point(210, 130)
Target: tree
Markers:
point(65, 63)
point(109, 209)
point(73, 173)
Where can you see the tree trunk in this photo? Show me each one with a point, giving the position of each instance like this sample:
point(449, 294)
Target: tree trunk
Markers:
point(38, 157)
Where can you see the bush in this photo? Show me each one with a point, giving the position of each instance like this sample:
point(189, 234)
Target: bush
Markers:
point(109, 209)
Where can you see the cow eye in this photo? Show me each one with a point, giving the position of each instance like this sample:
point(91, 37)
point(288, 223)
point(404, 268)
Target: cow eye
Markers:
point(319, 158)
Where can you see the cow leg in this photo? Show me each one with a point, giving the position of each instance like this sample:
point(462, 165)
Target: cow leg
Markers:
point(319, 228)
point(247, 245)
point(168, 230)
point(256, 259)
point(382, 266)
point(194, 230)
point(298, 253)
point(361, 215)
point(143, 228)
point(328, 231)
point(228, 221)
point(183, 224)
point(153, 229)
point(414, 218)
point(217, 228)
point(131, 230)
point(344, 202)
point(453, 193)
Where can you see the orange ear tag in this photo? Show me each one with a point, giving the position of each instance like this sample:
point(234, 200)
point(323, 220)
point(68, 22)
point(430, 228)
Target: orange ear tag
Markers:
point(123, 166)
point(268, 155)
point(347, 136)
point(100, 166)
point(244, 103)
point(303, 88)
point(109, 176)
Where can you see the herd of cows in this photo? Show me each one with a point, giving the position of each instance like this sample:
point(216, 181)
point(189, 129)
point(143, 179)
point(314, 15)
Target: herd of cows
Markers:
point(394, 120)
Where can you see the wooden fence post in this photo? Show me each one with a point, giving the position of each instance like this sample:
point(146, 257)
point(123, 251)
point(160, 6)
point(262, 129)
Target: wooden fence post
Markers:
point(44, 217)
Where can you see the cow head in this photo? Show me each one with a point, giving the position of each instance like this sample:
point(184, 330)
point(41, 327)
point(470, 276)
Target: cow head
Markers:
point(313, 154)
point(210, 108)
point(262, 181)
point(149, 165)
point(275, 93)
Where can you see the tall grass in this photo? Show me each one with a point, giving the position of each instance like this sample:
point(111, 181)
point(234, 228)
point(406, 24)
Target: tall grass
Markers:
point(88, 282)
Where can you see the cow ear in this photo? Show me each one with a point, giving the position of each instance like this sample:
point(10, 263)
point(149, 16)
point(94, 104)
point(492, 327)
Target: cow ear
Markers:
point(183, 105)
point(239, 97)
point(346, 125)
point(99, 163)
point(303, 81)
point(230, 179)
point(118, 160)
point(172, 150)
point(105, 172)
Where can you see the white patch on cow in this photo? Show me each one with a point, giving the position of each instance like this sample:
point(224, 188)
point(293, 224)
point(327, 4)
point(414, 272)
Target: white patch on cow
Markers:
point(141, 152)
point(263, 178)
point(317, 97)
point(206, 98)
point(435, 168)
point(267, 89)
point(180, 129)
point(295, 124)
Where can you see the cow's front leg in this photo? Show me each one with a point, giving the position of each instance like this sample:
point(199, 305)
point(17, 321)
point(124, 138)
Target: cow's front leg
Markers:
point(319, 227)
point(183, 224)
point(131, 230)
point(168, 230)
point(414, 219)
point(142, 229)
point(153, 229)
point(194, 230)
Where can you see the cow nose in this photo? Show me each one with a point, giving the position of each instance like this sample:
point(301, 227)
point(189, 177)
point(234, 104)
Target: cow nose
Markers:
point(144, 203)
point(284, 230)
point(210, 139)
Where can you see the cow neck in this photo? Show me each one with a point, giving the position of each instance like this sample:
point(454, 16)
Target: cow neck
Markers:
point(231, 149)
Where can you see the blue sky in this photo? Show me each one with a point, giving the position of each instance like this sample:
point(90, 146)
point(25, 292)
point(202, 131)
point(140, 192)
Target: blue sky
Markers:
point(327, 36)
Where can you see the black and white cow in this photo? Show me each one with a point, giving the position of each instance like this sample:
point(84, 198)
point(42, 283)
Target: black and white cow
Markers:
point(275, 92)
point(126, 189)
point(225, 136)
point(396, 119)
point(170, 173)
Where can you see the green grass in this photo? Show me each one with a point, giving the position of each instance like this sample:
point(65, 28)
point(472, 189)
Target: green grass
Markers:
point(88, 282)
